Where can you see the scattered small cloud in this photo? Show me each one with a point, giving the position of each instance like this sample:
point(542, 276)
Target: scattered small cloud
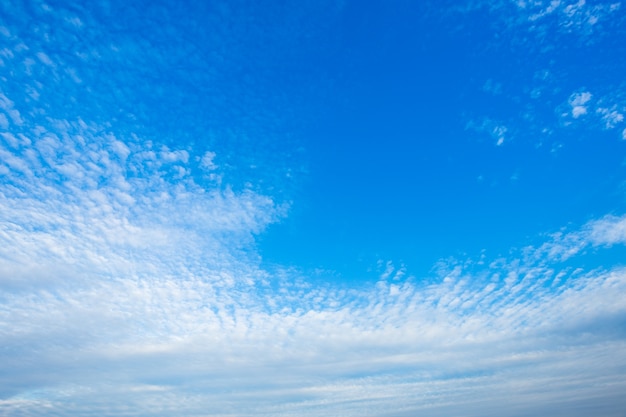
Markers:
point(544, 26)
point(606, 231)
point(207, 161)
point(610, 230)
point(610, 117)
point(579, 17)
point(578, 103)
point(605, 112)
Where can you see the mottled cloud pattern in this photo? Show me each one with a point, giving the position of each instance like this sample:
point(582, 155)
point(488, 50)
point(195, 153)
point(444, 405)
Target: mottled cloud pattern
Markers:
point(131, 284)
point(128, 283)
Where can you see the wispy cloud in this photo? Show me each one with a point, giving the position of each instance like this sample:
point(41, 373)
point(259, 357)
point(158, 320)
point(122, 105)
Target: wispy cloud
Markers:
point(605, 112)
point(497, 130)
point(578, 103)
point(577, 17)
point(604, 232)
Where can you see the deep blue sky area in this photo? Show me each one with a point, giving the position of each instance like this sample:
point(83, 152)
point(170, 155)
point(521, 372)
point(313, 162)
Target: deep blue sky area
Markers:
point(313, 208)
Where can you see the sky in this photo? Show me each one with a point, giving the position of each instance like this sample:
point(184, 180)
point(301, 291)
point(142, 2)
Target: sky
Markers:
point(313, 208)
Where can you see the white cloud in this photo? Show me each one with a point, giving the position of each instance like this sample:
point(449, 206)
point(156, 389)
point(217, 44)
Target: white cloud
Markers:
point(606, 231)
point(8, 106)
point(603, 112)
point(389, 268)
point(499, 133)
point(610, 117)
point(572, 17)
point(609, 230)
point(577, 99)
point(550, 8)
point(578, 103)
point(207, 161)
point(167, 156)
point(578, 111)
point(45, 59)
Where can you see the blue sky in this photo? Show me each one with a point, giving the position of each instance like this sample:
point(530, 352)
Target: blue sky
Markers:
point(313, 208)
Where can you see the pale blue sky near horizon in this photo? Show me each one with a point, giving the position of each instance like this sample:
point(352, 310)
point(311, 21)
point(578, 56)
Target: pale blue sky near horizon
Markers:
point(238, 208)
